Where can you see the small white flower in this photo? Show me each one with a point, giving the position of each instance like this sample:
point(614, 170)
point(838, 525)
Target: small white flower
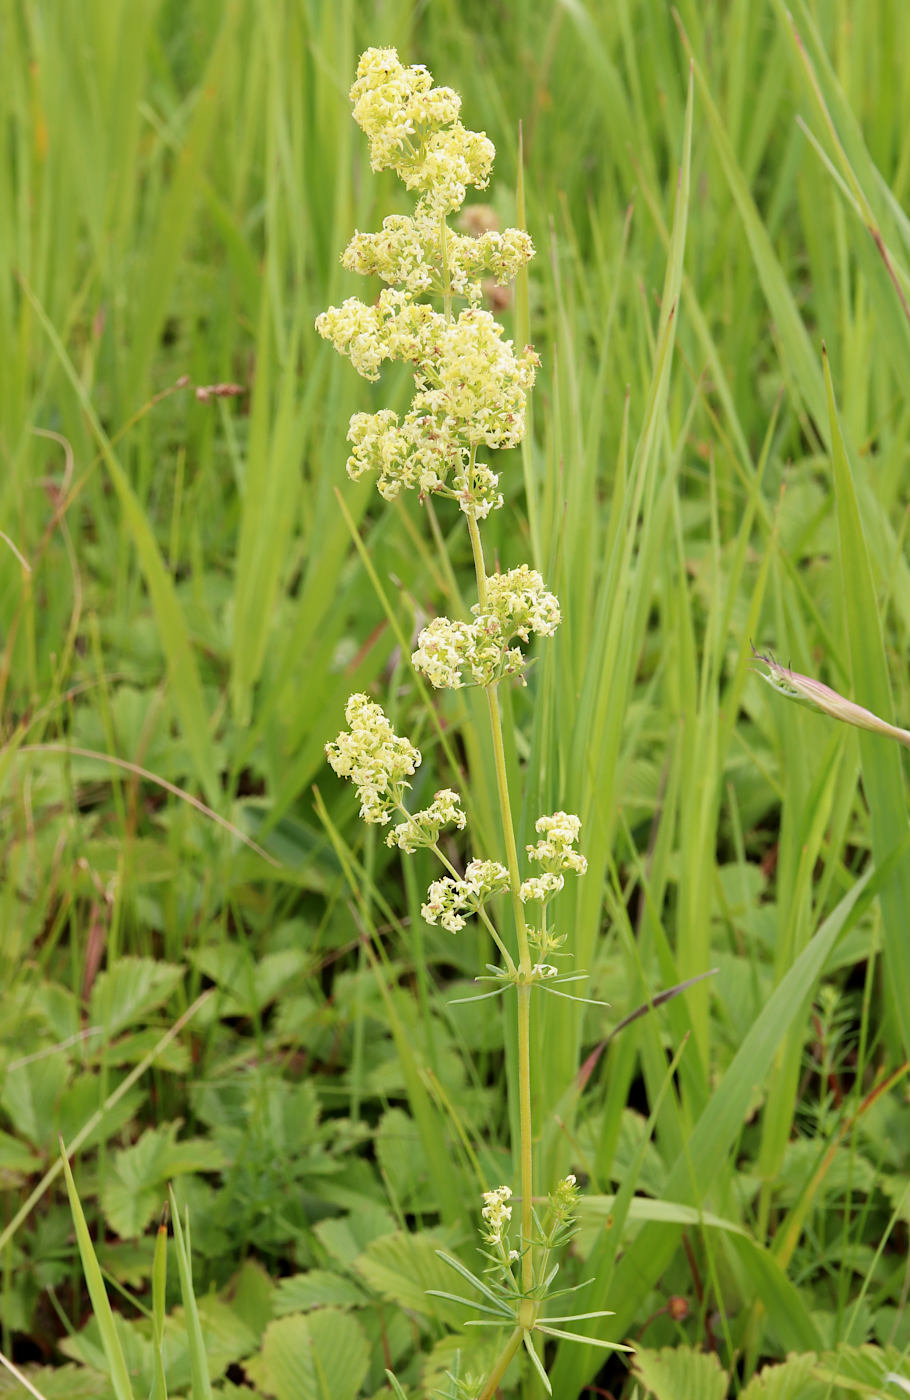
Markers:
point(497, 1213)
point(540, 888)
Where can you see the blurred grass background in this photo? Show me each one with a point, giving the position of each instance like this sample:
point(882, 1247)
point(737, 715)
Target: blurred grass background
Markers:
point(180, 594)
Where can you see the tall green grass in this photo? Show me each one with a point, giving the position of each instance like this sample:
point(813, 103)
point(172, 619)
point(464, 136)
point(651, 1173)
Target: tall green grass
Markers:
point(182, 591)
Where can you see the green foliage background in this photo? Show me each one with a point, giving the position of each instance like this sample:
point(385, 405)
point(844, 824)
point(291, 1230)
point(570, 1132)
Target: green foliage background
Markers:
point(184, 611)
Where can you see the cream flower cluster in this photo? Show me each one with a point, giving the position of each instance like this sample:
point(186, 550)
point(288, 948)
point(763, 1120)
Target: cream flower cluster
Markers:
point(560, 832)
point(555, 853)
point(416, 254)
point(497, 1213)
point(422, 828)
point(449, 901)
point(471, 390)
point(471, 384)
point(413, 128)
point(374, 757)
point(394, 328)
point(453, 654)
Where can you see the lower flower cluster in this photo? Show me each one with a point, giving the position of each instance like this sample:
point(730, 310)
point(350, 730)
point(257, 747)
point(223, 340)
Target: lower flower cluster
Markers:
point(378, 761)
point(450, 900)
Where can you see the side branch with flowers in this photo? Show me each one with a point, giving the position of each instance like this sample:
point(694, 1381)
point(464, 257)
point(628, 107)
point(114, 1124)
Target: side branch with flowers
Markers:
point(470, 394)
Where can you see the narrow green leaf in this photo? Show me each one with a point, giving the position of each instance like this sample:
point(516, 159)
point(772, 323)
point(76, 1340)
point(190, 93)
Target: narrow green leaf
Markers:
point(201, 1387)
point(882, 777)
point(537, 1363)
point(104, 1317)
point(713, 1136)
point(183, 673)
point(159, 1282)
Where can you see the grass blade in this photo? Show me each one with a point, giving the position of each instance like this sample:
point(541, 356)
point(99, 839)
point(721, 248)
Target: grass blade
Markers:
point(202, 1387)
point(104, 1317)
point(882, 777)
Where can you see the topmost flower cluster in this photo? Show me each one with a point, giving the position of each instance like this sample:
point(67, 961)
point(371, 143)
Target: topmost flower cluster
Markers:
point(471, 384)
point(413, 128)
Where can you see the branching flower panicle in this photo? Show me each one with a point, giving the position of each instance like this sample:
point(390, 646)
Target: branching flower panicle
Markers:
point(409, 253)
point(470, 398)
point(471, 391)
point(470, 383)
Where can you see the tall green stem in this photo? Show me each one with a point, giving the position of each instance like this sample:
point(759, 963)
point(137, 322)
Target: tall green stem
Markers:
point(446, 277)
point(502, 1365)
point(528, 1311)
point(524, 958)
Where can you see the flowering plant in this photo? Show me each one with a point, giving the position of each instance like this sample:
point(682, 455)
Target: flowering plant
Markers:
point(471, 389)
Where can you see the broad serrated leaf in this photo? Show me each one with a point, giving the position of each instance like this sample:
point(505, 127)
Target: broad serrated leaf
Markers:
point(69, 1382)
point(248, 984)
point(252, 1295)
point(15, 1158)
point(403, 1160)
point(317, 1289)
point(862, 1370)
point(344, 1239)
point(791, 1381)
point(402, 1267)
point(318, 1356)
point(246, 1109)
point(129, 990)
point(30, 1094)
point(679, 1373)
point(136, 1188)
point(130, 1049)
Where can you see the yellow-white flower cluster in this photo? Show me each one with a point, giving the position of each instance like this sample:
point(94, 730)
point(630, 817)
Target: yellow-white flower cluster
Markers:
point(471, 388)
point(374, 757)
point(453, 654)
point(418, 255)
point(449, 901)
point(471, 385)
point(538, 889)
point(413, 128)
point(560, 832)
point(471, 391)
point(497, 1213)
point(422, 828)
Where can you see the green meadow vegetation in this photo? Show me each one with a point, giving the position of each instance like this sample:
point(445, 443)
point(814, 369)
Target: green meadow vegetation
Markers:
point(245, 1105)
